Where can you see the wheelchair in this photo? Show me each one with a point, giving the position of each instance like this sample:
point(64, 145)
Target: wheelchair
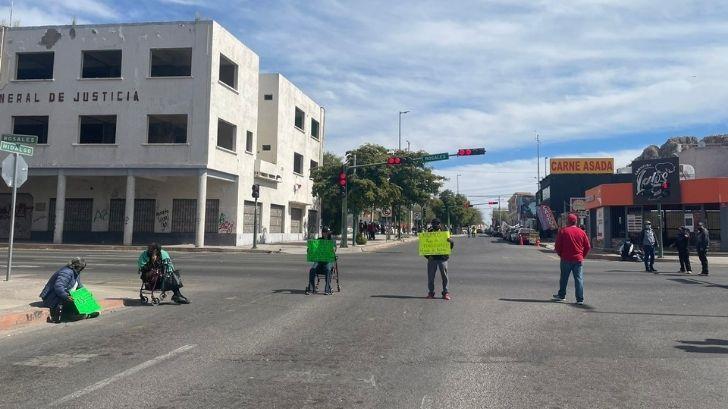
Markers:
point(334, 277)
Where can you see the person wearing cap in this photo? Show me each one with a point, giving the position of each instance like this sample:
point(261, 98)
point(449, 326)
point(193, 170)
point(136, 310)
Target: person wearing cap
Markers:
point(56, 294)
point(647, 240)
point(572, 246)
point(702, 243)
point(326, 267)
point(436, 262)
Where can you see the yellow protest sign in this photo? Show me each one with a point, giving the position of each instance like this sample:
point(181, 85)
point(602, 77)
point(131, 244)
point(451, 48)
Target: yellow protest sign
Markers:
point(434, 243)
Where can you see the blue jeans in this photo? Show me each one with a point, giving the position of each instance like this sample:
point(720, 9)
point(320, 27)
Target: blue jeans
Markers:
point(567, 268)
point(322, 267)
point(649, 257)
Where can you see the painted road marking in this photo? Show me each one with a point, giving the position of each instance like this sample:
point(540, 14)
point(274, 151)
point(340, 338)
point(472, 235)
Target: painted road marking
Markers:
point(121, 375)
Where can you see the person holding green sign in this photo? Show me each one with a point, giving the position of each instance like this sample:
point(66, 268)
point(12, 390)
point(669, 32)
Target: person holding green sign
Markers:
point(321, 265)
point(435, 262)
point(56, 294)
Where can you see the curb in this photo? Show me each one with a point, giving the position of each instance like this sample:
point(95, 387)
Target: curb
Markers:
point(92, 247)
point(37, 315)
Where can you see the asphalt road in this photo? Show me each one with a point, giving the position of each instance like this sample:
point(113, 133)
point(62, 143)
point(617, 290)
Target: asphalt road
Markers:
point(252, 339)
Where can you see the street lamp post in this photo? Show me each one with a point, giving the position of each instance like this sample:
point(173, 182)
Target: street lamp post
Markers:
point(399, 145)
point(457, 184)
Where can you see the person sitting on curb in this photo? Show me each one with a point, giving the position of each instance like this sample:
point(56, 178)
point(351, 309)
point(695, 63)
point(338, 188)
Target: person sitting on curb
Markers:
point(437, 262)
point(323, 266)
point(56, 294)
point(154, 257)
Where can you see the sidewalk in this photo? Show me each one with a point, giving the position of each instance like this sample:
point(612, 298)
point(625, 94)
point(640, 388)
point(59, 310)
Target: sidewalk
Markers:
point(371, 245)
point(20, 304)
point(719, 259)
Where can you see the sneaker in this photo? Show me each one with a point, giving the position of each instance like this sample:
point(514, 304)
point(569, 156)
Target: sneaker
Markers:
point(653, 269)
point(580, 303)
point(328, 292)
point(430, 296)
point(703, 274)
point(307, 292)
point(689, 272)
point(180, 300)
point(92, 315)
point(556, 298)
point(446, 296)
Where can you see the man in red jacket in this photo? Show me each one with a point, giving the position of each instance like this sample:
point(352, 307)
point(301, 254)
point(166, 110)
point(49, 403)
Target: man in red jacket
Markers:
point(572, 245)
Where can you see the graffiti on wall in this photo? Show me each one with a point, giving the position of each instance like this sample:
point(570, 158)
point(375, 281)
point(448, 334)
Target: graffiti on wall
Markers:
point(101, 215)
point(225, 226)
point(23, 215)
point(163, 219)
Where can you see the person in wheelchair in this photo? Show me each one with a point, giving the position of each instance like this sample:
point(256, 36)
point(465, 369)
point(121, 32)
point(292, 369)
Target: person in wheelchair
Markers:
point(154, 257)
point(324, 268)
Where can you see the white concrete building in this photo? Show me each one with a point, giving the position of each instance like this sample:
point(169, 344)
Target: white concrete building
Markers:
point(139, 123)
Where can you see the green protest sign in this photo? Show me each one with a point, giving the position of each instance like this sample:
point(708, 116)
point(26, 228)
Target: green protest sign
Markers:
point(321, 250)
point(434, 243)
point(85, 301)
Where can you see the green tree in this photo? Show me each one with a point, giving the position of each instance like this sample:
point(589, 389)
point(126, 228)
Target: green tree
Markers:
point(326, 188)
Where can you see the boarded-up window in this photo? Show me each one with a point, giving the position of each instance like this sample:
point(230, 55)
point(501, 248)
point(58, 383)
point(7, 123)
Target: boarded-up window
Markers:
point(184, 212)
point(248, 212)
point(276, 218)
point(78, 215)
point(296, 220)
point(143, 215)
point(184, 215)
point(212, 215)
point(312, 221)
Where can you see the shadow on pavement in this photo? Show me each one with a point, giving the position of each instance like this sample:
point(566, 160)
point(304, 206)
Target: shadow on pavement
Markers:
point(659, 314)
point(699, 282)
point(709, 346)
point(583, 307)
point(399, 297)
point(38, 304)
point(529, 300)
point(135, 302)
point(289, 291)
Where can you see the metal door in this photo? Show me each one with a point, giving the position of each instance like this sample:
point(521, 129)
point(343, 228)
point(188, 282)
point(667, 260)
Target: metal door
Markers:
point(276, 218)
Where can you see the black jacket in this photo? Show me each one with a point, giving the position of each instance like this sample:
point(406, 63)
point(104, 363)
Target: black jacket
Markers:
point(682, 241)
point(702, 239)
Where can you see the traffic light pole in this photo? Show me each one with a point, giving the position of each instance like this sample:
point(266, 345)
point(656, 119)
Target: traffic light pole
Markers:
point(343, 243)
point(255, 224)
point(660, 248)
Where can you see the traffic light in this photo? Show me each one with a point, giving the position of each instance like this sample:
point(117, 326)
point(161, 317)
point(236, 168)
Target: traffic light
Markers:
point(256, 191)
point(397, 160)
point(471, 151)
point(665, 189)
point(492, 203)
point(342, 182)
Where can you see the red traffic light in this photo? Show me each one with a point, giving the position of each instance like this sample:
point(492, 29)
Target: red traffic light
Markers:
point(471, 151)
point(394, 160)
point(342, 178)
point(492, 203)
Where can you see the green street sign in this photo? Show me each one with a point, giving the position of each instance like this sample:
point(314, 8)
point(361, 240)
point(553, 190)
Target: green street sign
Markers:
point(24, 139)
point(16, 148)
point(436, 156)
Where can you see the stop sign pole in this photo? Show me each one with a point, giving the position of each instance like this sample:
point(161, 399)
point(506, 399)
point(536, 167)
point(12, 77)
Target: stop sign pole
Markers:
point(12, 218)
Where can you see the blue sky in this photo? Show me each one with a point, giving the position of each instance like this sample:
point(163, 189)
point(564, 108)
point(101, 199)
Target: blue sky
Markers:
point(605, 77)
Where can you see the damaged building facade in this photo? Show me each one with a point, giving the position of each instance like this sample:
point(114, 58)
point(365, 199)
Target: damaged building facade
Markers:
point(156, 131)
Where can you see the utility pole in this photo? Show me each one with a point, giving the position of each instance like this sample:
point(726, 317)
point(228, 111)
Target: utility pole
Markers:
point(538, 164)
point(354, 214)
point(399, 145)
